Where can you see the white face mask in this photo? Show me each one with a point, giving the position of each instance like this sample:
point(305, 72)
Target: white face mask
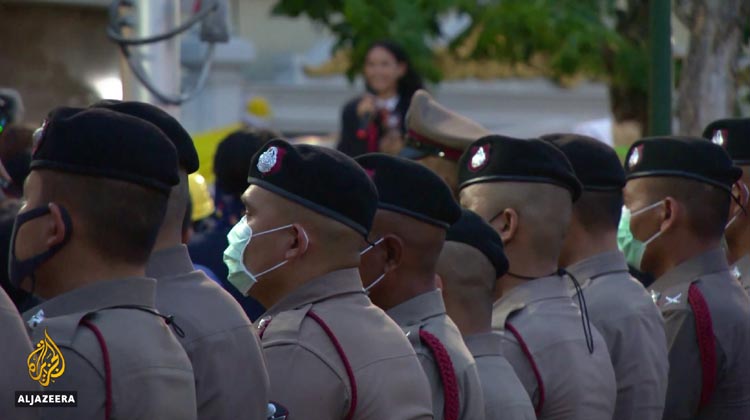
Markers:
point(365, 251)
point(239, 238)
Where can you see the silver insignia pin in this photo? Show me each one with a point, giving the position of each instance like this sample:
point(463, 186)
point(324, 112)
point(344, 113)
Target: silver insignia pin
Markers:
point(479, 158)
point(267, 160)
point(675, 299)
point(36, 319)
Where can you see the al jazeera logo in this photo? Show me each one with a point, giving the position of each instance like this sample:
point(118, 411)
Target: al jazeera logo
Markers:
point(46, 364)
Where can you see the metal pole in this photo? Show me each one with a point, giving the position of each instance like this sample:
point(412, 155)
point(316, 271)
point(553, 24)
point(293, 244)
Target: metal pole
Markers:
point(660, 68)
point(161, 60)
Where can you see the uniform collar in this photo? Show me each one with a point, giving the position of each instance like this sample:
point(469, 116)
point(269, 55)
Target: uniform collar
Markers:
point(543, 288)
point(336, 283)
point(418, 308)
point(712, 261)
point(139, 291)
point(169, 262)
point(486, 344)
point(595, 266)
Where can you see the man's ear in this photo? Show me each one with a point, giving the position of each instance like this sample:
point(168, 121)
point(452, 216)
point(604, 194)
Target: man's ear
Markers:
point(299, 243)
point(55, 230)
point(394, 251)
point(506, 224)
point(670, 212)
point(741, 194)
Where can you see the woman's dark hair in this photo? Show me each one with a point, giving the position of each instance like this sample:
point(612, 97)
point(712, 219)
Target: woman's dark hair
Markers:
point(410, 82)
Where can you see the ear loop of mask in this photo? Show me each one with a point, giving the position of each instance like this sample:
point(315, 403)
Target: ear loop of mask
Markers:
point(370, 246)
point(382, 276)
point(738, 200)
point(643, 210)
point(255, 235)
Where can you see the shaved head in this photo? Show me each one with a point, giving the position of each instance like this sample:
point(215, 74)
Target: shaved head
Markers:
point(706, 207)
point(422, 241)
point(328, 234)
point(467, 274)
point(544, 210)
point(468, 280)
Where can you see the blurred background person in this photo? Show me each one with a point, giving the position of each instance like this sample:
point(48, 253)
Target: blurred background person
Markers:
point(374, 121)
point(15, 153)
point(231, 166)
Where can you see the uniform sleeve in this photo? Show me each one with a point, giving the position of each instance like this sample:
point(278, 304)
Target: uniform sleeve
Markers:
point(472, 399)
point(305, 384)
point(433, 377)
point(81, 377)
point(685, 376)
point(401, 393)
point(164, 394)
point(519, 362)
point(638, 348)
point(226, 386)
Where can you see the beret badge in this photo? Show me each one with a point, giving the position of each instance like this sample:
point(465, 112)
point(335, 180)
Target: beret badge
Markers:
point(479, 158)
point(718, 137)
point(635, 157)
point(269, 161)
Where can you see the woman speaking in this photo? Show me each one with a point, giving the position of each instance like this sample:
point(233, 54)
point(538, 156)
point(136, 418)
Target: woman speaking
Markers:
point(374, 121)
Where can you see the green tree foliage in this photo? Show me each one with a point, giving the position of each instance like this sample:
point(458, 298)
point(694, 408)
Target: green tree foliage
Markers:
point(570, 38)
point(358, 23)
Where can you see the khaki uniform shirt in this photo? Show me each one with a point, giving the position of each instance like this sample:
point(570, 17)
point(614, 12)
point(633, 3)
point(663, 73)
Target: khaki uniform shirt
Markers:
point(427, 311)
point(729, 309)
point(15, 348)
point(577, 384)
point(308, 376)
point(221, 342)
point(632, 326)
point(150, 373)
point(741, 271)
point(504, 396)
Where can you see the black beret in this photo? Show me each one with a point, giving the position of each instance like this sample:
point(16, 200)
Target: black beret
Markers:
point(686, 157)
point(733, 134)
point(323, 180)
point(596, 164)
point(471, 230)
point(411, 189)
point(498, 158)
point(168, 124)
point(103, 143)
point(234, 156)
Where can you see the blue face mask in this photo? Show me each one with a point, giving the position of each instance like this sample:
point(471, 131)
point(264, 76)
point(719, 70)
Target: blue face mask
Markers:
point(239, 238)
point(628, 244)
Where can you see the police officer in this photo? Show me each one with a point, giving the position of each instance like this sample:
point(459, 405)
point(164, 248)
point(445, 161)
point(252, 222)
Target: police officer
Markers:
point(223, 347)
point(331, 354)
point(415, 210)
point(618, 305)
point(676, 207)
point(436, 136)
point(14, 351)
point(525, 189)
point(95, 199)
point(470, 262)
point(733, 134)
